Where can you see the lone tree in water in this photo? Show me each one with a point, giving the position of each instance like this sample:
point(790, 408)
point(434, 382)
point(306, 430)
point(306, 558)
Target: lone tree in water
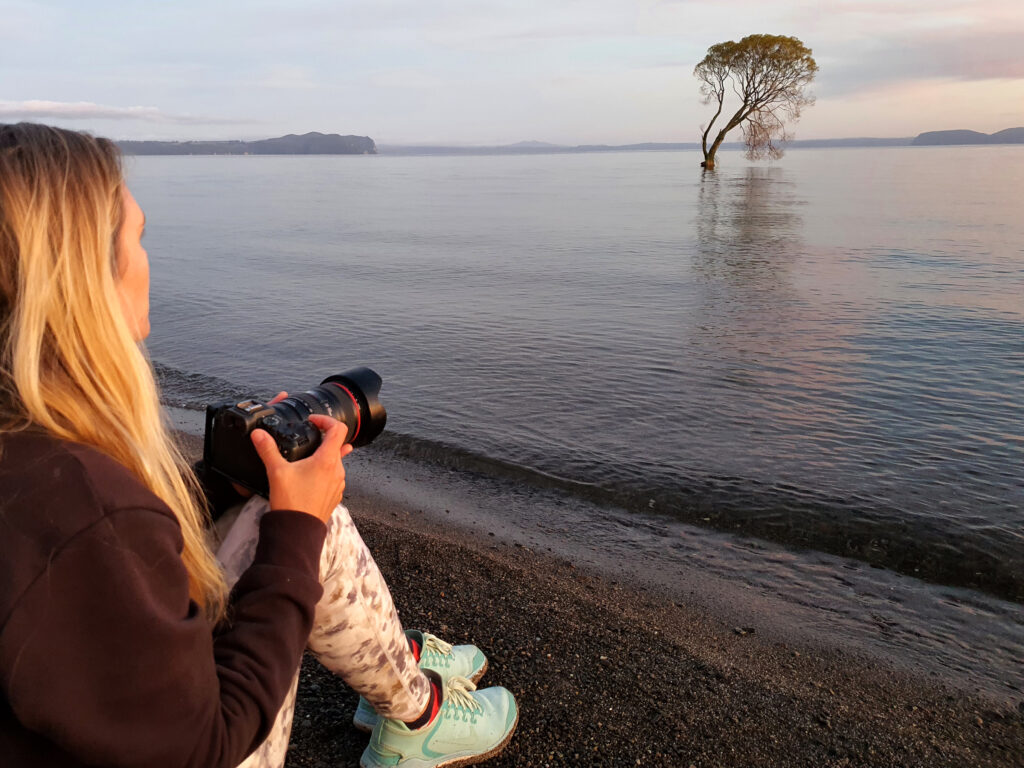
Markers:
point(768, 74)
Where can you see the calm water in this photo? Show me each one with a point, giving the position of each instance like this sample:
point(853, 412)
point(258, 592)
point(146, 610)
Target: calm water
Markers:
point(828, 352)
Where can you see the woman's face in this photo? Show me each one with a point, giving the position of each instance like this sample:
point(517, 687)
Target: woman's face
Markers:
point(133, 267)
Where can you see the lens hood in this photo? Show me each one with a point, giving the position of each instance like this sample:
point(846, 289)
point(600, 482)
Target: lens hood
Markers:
point(363, 386)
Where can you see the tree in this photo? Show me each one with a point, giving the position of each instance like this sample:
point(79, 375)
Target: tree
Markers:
point(768, 73)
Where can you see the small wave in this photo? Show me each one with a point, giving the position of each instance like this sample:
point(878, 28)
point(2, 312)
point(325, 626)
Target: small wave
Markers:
point(932, 549)
point(193, 391)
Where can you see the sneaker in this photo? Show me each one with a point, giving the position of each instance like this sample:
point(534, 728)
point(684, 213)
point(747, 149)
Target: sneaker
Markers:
point(471, 726)
point(447, 660)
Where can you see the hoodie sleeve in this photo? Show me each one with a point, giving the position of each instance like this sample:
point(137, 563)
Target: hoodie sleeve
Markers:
point(107, 657)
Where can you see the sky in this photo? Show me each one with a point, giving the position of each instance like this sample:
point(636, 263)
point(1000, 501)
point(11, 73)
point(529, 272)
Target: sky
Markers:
point(483, 72)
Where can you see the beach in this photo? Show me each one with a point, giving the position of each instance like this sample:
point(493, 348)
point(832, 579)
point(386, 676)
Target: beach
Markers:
point(613, 667)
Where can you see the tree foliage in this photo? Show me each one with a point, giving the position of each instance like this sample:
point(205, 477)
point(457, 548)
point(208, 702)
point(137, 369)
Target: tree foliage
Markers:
point(768, 74)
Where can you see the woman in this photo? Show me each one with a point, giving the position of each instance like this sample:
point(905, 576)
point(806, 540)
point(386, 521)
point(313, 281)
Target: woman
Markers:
point(120, 642)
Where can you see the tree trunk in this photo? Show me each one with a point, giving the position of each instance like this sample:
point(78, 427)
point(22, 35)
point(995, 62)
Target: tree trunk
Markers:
point(704, 148)
point(709, 154)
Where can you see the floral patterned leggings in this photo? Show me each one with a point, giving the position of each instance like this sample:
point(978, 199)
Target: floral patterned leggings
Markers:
point(356, 632)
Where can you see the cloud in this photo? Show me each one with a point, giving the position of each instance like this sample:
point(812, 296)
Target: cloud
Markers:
point(26, 21)
point(289, 78)
point(456, 24)
point(86, 110)
point(945, 55)
point(405, 78)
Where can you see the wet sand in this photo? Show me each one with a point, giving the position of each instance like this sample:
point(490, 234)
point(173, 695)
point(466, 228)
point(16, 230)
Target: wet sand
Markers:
point(612, 671)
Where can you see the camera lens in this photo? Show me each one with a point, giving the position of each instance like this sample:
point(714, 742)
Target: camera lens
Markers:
point(351, 397)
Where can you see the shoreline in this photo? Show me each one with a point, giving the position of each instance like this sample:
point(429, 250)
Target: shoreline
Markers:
point(781, 516)
point(614, 667)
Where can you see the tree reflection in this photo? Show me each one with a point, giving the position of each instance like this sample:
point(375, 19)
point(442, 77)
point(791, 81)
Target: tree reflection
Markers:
point(756, 326)
point(748, 227)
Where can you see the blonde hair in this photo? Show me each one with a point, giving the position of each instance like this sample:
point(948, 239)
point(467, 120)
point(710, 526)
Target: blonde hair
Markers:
point(68, 361)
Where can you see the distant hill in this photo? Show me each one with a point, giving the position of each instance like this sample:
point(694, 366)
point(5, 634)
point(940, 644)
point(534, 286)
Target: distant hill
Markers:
point(1007, 136)
point(542, 148)
point(939, 138)
point(333, 144)
point(306, 144)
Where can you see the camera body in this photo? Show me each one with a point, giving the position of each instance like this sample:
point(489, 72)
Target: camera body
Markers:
point(350, 397)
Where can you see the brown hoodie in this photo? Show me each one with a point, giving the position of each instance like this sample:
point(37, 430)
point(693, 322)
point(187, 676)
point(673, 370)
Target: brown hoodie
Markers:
point(104, 659)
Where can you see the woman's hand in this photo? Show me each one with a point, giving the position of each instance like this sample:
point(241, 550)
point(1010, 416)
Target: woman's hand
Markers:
point(313, 485)
point(241, 490)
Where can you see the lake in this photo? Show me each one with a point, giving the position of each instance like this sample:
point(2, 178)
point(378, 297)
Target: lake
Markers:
point(826, 352)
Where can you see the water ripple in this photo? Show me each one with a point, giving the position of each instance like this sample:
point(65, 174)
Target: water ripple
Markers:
point(830, 359)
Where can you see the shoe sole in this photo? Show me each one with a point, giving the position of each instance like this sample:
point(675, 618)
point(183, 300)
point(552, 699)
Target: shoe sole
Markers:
point(367, 727)
point(460, 762)
point(476, 678)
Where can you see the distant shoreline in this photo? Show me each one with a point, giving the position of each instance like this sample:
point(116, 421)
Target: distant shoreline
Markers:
point(315, 143)
point(932, 138)
point(183, 150)
point(307, 144)
point(537, 148)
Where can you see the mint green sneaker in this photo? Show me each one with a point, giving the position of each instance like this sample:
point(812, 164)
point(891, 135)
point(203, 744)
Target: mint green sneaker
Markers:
point(447, 660)
point(471, 726)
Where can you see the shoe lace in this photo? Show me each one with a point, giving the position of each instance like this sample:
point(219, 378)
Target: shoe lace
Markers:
point(436, 644)
point(457, 693)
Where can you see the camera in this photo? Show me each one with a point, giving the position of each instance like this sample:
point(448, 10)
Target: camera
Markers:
point(350, 397)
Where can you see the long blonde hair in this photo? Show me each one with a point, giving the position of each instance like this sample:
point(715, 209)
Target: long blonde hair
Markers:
point(68, 361)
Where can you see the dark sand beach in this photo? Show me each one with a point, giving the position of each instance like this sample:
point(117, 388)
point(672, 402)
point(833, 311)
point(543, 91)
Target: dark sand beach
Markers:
point(610, 670)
